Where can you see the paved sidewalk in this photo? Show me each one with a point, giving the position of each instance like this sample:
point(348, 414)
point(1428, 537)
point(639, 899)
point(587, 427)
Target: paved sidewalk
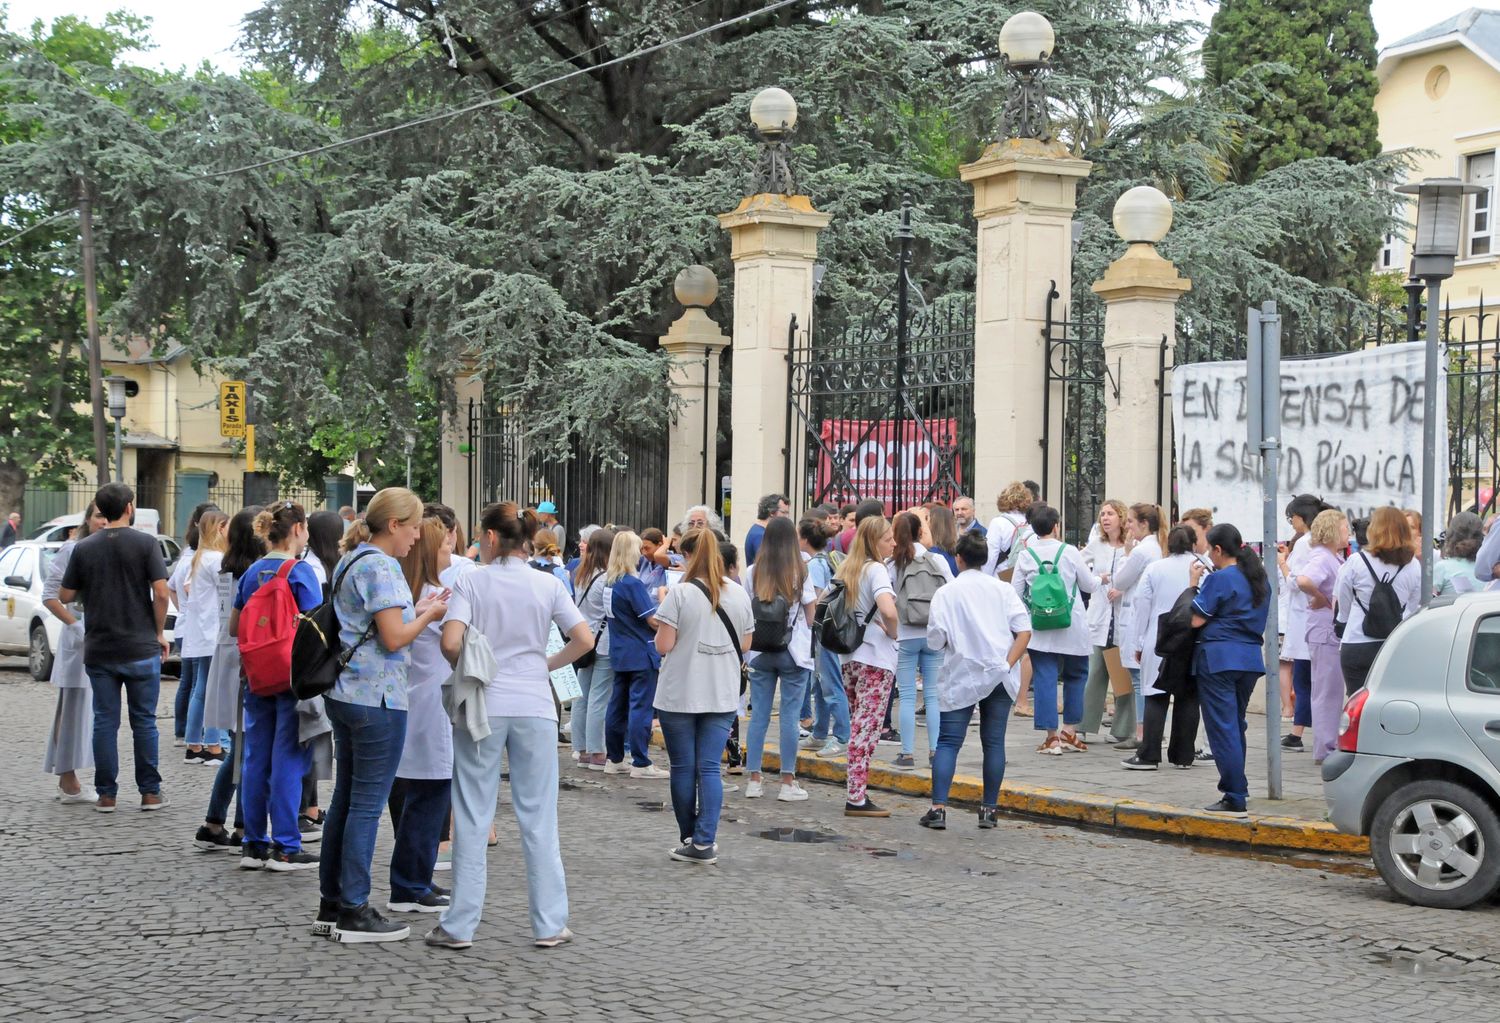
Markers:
point(1092, 788)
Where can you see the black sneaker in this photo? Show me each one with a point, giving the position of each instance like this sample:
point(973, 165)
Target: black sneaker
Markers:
point(905, 762)
point(987, 817)
point(236, 839)
point(431, 902)
point(691, 853)
point(310, 830)
point(1292, 742)
point(211, 759)
point(299, 859)
point(328, 916)
point(1225, 808)
point(210, 840)
point(254, 855)
point(364, 924)
point(865, 809)
point(438, 889)
point(1135, 763)
point(1204, 756)
point(190, 756)
point(890, 737)
point(936, 819)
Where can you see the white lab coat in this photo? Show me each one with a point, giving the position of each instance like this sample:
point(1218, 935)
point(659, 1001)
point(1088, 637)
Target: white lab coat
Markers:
point(1155, 593)
point(1103, 558)
point(1146, 553)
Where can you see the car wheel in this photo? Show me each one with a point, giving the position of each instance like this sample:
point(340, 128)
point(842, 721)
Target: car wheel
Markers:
point(39, 654)
point(1437, 843)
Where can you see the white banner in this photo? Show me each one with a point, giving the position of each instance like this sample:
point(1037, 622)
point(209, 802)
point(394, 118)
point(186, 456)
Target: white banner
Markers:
point(1351, 433)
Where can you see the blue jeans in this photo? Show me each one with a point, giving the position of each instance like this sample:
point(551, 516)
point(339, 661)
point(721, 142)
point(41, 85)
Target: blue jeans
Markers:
point(142, 682)
point(1223, 697)
point(833, 702)
point(224, 789)
point(695, 744)
point(1046, 669)
point(531, 746)
point(366, 749)
point(994, 713)
point(1302, 693)
point(195, 678)
point(769, 667)
point(630, 716)
point(181, 704)
point(271, 783)
point(419, 809)
point(913, 654)
point(589, 711)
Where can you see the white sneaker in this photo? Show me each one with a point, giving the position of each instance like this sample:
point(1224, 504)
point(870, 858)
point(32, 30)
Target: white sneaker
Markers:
point(649, 771)
point(85, 794)
point(832, 748)
point(803, 733)
point(611, 767)
point(811, 742)
point(575, 755)
point(754, 790)
point(791, 792)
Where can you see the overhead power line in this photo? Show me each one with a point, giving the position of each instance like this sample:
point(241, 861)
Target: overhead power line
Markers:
point(40, 223)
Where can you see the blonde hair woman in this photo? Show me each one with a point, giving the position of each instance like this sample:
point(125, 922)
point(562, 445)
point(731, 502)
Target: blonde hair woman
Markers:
point(1105, 555)
point(198, 625)
point(1008, 532)
point(698, 692)
point(870, 671)
point(1328, 539)
point(630, 617)
point(368, 706)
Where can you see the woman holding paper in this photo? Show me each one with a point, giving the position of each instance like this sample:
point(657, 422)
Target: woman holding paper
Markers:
point(513, 607)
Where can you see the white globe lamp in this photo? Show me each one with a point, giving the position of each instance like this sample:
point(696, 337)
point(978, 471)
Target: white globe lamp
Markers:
point(696, 287)
point(773, 111)
point(1026, 39)
point(1143, 214)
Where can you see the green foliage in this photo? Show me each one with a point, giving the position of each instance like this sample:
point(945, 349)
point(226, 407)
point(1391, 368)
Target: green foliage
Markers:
point(1322, 102)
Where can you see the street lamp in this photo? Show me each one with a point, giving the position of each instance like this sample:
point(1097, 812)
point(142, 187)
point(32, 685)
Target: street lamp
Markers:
point(1026, 43)
point(117, 386)
point(1143, 215)
point(410, 440)
point(1440, 207)
point(773, 113)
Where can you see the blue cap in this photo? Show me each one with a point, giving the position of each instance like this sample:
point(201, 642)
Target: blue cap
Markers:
point(546, 508)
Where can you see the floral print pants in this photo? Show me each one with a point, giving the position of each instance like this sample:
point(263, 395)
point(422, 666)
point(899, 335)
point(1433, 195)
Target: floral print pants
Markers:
point(867, 687)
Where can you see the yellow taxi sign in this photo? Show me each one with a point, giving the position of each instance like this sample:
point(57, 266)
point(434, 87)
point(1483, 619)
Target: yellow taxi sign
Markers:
point(233, 398)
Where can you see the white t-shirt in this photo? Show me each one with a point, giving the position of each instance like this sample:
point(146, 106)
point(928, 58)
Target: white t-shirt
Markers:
point(514, 607)
point(1002, 536)
point(198, 610)
point(701, 674)
point(1354, 586)
point(801, 645)
point(427, 752)
point(974, 621)
point(878, 650)
point(1075, 638)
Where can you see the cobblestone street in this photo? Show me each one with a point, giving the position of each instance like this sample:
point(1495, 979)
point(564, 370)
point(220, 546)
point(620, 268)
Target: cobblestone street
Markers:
point(118, 918)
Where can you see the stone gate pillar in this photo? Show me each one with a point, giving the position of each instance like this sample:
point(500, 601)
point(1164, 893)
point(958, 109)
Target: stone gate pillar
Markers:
point(1140, 292)
point(459, 450)
point(695, 342)
point(774, 243)
point(1025, 192)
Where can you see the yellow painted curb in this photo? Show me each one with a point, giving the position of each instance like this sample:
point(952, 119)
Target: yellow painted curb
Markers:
point(1258, 831)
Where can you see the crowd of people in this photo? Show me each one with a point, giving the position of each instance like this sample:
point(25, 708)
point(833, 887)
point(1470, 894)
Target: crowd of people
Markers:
point(854, 624)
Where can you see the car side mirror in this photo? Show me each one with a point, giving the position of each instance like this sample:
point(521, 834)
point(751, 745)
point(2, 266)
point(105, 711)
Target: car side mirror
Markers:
point(19, 582)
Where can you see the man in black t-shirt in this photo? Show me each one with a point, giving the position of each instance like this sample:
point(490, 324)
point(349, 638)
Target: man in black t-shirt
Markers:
point(119, 574)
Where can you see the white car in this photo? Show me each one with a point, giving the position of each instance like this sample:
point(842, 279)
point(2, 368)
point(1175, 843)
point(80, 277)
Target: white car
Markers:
point(25, 625)
point(58, 530)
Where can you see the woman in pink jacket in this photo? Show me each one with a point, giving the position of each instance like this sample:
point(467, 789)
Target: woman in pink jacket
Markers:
point(1328, 539)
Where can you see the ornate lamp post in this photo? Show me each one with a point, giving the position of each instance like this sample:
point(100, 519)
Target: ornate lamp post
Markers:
point(1026, 42)
point(1440, 205)
point(773, 112)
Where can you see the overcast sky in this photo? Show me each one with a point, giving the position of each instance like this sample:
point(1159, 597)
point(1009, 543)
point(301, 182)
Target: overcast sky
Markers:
point(190, 31)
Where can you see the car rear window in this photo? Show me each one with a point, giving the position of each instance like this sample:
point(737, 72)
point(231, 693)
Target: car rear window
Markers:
point(1484, 658)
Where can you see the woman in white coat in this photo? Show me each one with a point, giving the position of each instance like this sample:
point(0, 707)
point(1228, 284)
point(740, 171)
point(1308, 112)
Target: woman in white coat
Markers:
point(1159, 587)
point(70, 744)
point(1105, 555)
point(1143, 526)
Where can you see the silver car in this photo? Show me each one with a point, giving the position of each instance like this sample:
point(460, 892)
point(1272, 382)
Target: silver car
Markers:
point(1418, 762)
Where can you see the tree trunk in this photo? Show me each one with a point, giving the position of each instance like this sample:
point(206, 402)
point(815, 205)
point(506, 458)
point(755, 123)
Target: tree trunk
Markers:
point(12, 488)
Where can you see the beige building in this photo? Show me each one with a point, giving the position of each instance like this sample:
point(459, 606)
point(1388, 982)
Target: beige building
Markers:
point(1440, 92)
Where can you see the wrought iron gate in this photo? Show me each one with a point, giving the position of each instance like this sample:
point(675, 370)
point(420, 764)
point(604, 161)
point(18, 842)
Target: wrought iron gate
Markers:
point(585, 489)
point(884, 409)
point(1073, 415)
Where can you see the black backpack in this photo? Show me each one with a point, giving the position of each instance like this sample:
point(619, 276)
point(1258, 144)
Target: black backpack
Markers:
point(318, 655)
point(773, 630)
point(1385, 611)
point(836, 624)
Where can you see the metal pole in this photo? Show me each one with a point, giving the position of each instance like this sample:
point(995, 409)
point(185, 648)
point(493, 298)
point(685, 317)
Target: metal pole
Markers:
point(1429, 436)
point(1271, 453)
point(903, 327)
point(120, 453)
point(91, 318)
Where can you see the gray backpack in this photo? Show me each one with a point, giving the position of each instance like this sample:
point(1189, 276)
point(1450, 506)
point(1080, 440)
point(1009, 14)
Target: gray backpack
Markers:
point(915, 588)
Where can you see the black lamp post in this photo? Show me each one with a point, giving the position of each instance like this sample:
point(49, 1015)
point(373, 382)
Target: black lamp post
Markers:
point(116, 386)
point(1440, 204)
point(1026, 41)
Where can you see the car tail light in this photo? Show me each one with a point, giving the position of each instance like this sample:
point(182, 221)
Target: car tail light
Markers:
point(1354, 708)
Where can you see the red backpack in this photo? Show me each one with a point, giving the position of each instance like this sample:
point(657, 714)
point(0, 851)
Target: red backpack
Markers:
point(268, 622)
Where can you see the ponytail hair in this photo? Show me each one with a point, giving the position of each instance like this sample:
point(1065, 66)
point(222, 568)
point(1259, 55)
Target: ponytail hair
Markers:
point(1155, 522)
point(1227, 538)
point(510, 532)
point(275, 523)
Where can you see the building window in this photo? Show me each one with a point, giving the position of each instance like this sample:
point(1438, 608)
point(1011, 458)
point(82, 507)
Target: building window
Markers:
point(1479, 169)
point(1392, 253)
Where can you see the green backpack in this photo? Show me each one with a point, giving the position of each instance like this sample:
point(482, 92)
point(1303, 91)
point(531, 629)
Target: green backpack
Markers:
point(1049, 601)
